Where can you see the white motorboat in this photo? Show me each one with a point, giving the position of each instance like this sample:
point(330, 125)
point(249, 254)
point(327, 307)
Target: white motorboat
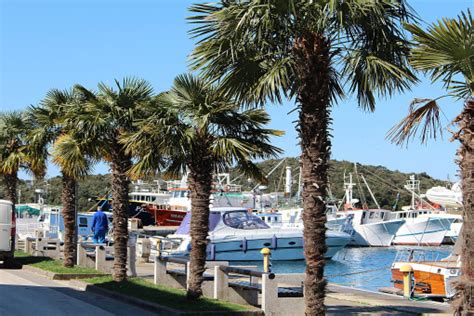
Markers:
point(237, 235)
point(448, 198)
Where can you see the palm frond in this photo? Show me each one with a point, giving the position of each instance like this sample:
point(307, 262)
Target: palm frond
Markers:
point(446, 49)
point(196, 116)
point(69, 155)
point(423, 118)
point(368, 76)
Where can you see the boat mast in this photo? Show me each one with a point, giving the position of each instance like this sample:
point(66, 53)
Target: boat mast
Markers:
point(413, 185)
point(299, 185)
point(288, 181)
point(271, 171)
point(370, 191)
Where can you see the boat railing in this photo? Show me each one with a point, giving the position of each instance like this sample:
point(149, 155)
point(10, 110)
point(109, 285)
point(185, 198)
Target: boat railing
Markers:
point(163, 246)
point(31, 229)
point(417, 255)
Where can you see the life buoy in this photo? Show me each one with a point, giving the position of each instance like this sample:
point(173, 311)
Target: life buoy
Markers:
point(227, 188)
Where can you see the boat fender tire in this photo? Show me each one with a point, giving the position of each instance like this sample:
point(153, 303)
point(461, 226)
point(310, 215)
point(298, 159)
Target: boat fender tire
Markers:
point(213, 252)
point(274, 242)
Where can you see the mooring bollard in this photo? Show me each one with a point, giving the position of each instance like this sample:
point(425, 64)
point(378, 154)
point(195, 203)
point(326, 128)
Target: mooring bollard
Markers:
point(407, 271)
point(266, 260)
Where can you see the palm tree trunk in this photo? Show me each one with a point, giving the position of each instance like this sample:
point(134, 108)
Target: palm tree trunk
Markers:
point(120, 182)
point(200, 183)
point(466, 162)
point(313, 65)
point(11, 183)
point(68, 199)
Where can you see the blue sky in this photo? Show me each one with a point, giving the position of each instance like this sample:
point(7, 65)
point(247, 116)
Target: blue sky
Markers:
point(56, 43)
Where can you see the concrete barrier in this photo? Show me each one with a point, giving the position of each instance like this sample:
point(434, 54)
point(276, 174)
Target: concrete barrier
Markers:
point(240, 292)
point(96, 256)
point(101, 257)
point(43, 247)
point(280, 294)
point(143, 250)
point(177, 277)
point(274, 300)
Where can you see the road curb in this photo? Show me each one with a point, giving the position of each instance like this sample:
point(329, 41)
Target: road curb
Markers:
point(154, 307)
point(62, 276)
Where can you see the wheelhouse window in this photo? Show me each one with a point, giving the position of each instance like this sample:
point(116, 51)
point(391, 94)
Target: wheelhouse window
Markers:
point(82, 222)
point(243, 220)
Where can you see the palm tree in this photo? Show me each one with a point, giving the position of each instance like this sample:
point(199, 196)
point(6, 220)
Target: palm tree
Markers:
point(197, 128)
point(445, 51)
point(314, 51)
point(104, 117)
point(68, 153)
point(15, 152)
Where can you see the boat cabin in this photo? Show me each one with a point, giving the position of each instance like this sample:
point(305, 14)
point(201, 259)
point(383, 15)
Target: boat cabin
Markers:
point(52, 223)
point(226, 217)
point(410, 213)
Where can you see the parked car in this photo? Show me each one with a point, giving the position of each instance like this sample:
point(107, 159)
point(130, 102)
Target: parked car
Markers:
point(7, 232)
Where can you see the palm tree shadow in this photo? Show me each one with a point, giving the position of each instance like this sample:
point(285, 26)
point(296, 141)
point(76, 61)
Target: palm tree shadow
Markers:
point(19, 262)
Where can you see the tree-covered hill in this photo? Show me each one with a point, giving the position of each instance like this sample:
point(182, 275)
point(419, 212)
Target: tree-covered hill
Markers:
point(384, 183)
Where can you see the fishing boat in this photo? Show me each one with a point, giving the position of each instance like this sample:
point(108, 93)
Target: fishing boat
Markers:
point(274, 218)
point(224, 194)
point(423, 225)
point(371, 227)
point(235, 234)
point(423, 228)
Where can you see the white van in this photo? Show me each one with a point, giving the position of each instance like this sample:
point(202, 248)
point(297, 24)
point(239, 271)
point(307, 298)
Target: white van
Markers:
point(7, 231)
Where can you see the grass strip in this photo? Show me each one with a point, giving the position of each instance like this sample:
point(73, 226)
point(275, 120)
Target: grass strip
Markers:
point(165, 296)
point(48, 264)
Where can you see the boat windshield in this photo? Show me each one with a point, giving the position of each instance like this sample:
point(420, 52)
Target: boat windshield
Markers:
point(243, 220)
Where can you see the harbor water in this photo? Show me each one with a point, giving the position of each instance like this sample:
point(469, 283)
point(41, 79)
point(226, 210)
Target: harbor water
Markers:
point(365, 268)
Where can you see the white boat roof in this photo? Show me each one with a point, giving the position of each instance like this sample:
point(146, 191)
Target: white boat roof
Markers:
point(5, 202)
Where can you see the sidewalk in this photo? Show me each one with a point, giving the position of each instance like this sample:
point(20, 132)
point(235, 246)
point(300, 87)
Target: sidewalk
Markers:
point(25, 293)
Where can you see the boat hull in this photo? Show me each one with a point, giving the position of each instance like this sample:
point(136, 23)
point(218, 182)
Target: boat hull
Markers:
point(165, 217)
point(430, 278)
point(282, 249)
point(427, 231)
point(379, 234)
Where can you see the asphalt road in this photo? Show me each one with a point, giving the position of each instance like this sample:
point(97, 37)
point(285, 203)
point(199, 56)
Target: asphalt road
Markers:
point(24, 293)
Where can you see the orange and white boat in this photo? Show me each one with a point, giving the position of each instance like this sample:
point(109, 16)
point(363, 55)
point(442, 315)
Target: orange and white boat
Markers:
point(432, 278)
